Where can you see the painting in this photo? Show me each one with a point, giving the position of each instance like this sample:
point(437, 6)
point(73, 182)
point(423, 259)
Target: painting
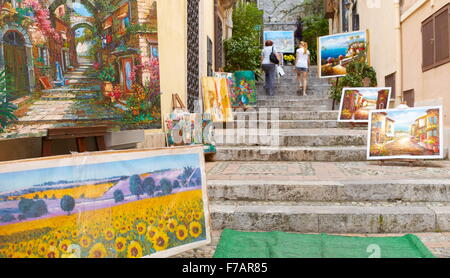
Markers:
point(336, 51)
point(216, 98)
point(283, 41)
point(357, 102)
point(410, 133)
point(125, 204)
point(244, 89)
point(68, 63)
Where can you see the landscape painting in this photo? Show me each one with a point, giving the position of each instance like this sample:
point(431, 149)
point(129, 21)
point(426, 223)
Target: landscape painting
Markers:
point(357, 102)
point(125, 204)
point(336, 51)
point(78, 63)
point(283, 41)
point(410, 133)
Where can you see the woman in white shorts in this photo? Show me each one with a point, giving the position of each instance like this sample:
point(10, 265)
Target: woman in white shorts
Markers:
point(302, 65)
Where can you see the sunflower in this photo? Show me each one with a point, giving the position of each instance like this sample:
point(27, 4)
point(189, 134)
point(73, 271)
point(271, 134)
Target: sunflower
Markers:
point(109, 234)
point(64, 245)
point(141, 228)
point(134, 250)
point(189, 217)
point(52, 252)
point(172, 225)
point(151, 220)
point(52, 242)
point(123, 230)
point(197, 215)
point(120, 244)
point(42, 249)
point(182, 232)
point(74, 233)
point(161, 224)
point(117, 225)
point(195, 229)
point(97, 251)
point(180, 216)
point(85, 241)
point(151, 232)
point(161, 241)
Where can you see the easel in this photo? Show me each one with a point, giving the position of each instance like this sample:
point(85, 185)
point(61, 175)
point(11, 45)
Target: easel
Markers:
point(411, 162)
point(78, 133)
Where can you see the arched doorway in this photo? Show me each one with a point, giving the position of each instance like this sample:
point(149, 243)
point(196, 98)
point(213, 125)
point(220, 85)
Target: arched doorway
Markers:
point(15, 58)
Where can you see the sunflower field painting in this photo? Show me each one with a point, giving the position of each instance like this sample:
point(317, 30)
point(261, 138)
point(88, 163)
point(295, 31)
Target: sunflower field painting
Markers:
point(124, 204)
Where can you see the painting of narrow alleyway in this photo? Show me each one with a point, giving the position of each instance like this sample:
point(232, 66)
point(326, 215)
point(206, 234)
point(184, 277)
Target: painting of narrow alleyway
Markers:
point(87, 64)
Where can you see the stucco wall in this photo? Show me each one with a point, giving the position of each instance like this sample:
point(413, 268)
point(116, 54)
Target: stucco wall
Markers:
point(172, 51)
point(432, 86)
point(382, 36)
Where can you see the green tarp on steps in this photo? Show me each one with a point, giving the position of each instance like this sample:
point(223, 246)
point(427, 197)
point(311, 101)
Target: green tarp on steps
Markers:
point(234, 244)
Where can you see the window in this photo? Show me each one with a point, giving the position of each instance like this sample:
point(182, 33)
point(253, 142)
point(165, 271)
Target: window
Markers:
point(355, 17)
point(408, 97)
point(344, 9)
point(43, 55)
point(389, 81)
point(436, 39)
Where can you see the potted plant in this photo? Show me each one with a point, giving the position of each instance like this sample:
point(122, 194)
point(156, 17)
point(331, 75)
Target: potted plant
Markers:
point(107, 75)
point(289, 58)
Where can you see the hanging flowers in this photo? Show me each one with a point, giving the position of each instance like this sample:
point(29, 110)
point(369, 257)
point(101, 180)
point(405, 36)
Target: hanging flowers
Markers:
point(42, 17)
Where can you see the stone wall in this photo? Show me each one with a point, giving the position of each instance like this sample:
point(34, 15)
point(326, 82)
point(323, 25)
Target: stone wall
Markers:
point(280, 14)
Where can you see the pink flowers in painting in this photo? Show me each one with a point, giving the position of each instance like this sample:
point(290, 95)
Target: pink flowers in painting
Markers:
point(42, 17)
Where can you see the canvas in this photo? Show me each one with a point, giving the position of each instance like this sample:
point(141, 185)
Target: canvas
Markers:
point(336, 51)
point(216, 99)
point(124, 204)
point(357, 102)
point(81, 68)
point(283, 40)
point(244, 90)
point(410, 133)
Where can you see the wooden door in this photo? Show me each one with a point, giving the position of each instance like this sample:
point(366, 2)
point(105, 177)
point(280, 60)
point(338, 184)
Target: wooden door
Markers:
point(16, 63)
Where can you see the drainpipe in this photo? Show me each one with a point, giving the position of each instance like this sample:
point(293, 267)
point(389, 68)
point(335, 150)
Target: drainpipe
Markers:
point(399, 60)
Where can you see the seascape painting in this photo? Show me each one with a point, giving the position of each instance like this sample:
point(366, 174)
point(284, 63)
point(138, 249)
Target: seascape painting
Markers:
point(336, 51)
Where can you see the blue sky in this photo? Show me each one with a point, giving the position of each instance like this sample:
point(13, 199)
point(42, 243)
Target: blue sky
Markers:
point(369, 93)
point(340, 41)
point(81, 9)
point(404, 119)
point(23, 179)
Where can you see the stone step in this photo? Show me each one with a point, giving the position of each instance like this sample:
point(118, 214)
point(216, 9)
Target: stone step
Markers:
point(278, 114)
point(330, 218)
point(298, 107)
point(283, 153)
point(281, 102)
point(290, 137)
point(69, 96)
point(68, 89)
point(286, 124)
point(413, 190)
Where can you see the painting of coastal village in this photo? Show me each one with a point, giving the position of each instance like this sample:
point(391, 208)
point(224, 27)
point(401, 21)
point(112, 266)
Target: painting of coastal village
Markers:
point(150, 204)
point(406, 133)
point(357, 102)
point(78, 63)
point(336, 51)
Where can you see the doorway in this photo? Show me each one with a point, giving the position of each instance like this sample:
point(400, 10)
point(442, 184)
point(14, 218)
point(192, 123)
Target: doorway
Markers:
point(15, 58)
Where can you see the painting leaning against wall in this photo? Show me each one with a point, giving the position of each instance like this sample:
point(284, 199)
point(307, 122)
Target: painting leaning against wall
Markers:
point(78, 63)
point(125, 204)
point(410, 133)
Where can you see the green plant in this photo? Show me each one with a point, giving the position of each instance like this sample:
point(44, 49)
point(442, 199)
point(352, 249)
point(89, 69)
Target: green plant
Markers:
point(314, 26)
point(243, 49)
point(140, 28)
point(6, 108)
point(108, 73)
point(357, 71)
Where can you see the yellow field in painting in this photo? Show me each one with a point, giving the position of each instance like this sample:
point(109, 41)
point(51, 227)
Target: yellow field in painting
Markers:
point(133, 229)
point(91, 191)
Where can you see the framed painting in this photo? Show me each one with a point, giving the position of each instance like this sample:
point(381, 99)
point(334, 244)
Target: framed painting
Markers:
point(116, 204)
point(410, 133)
point(336, 51)
point(284, 41)
point(357, 102)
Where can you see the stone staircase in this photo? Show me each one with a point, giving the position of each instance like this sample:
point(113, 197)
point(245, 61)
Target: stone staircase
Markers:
point(309, 134)
point(307, 127)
